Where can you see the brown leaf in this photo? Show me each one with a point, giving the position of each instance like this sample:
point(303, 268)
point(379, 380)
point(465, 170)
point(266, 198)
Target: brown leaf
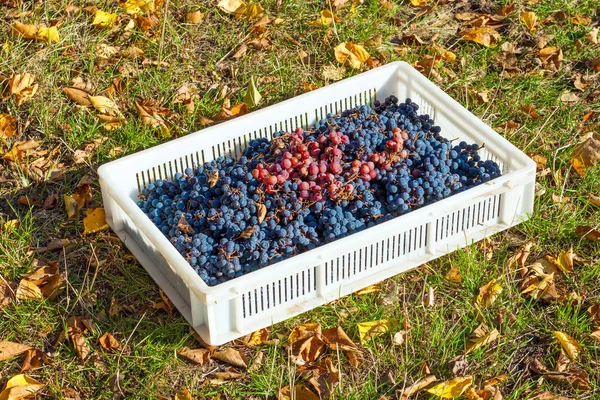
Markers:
point(261, 212)
point(454, 274)
point(586, 154)
point(195, 17)
point(109, 343)
point(153, 115)
point(416, 387)
point(11, 349)
point(104, 105)
point(28, 201)
point(594, 64)
point(22, 86)
point(562, 362)
point(24, 30)
point(486, 36)
point(587, 232)
point(595, 335)
point(35, 359)
point(429, 297)
point(257, 362)
point(299, 392)
point(213, 177)
point(77, 95)
point(20, 150)
point(7, 292)
point(258, 337)
point(592, 36)
point(218, 378)
point(575, 376)
point(551, 58)
point(198, 356)
point(520, 258)
point(231, 356)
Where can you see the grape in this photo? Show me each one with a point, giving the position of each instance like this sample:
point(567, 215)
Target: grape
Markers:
point(302, 189)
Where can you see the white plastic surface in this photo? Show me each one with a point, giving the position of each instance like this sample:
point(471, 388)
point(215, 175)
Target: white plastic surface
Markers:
point(303, 282)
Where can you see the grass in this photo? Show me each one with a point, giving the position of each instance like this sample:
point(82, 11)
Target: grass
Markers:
point(197, 55)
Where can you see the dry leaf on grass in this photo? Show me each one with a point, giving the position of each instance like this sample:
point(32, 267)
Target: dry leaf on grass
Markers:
point(8, 126)
point(481, 337)
point(109, 343)
point(35, 359)
point(369, 289)
point(485, 35)
point(253, 96)
point(453, 274)
point(299, 392)
point(77, 95)
point(104, 19)
point(231, 356)
point(95, 220)
point(23, 87)
point(20, 387)
point(195, 17)
point(551, 58)
point(530, 20)
point(198, 356)
point(519, 259)
point(154, 116)
point(183, 394)
point(416, 387)
point(76, 328)
point(575, 376)
point(7, 292)
point(371, 329)
point(249, 12)
point(451, 389)
point(488, 293)
point(348, 53)
point(11, 349)
point(256, 338)
point(326, 18)
point(569, 344)
point(586, 154)
point(588, 232)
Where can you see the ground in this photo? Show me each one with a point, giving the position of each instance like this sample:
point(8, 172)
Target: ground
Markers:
point(544, 102)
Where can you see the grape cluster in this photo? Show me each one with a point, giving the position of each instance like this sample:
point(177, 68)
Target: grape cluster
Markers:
point(302, 189)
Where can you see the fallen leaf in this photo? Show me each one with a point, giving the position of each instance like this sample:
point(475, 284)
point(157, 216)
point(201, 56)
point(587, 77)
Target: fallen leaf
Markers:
point(231, 356)
point(485, 35)
point(586, 154)
point(581, 20)
point(595, 335)
point(587, 232)
point(454, 274)
point(35, 359)
point(20, 387)
point(416, 387)
point(258, 337)
point(22, 86)
point(481, 337)
point(299, 392)
point(104, 19)
point(183, 394)
point(28, 290)
point(595, 200)
point(530, 20)
point(369, 330)
point(7, 292)
point(569, 344)
point(257, 362)
point(565, 260)
point(230, 6)
point(140, 6)
point(540, 161)
point(109, 343)
point(575, 376)
point(399, 338)
point(488, 293)
point(569, 97)
point(541, 290)
point(49, 34)
point(8, 126)
point(195, 17)
point(419, 3)
point(331, 73)
point(77, 95)
point(198, 356)
point(11, 349)
point(109, 122)
point(348, 53)
point(592, 36)
point(104, 105)
point(368, 289)
point(429, 297)
point(594, 63)
point(551, 58)
point(446, 55)
point(219, 378)
point(252, 97)
point(326, 18)
point(25, 31)
point(76, 328)
point(249, 12)
point(154, 116)
point(451, 389)
point(520, 258)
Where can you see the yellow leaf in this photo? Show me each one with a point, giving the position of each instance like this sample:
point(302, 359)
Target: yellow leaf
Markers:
point(11, 224)
point(484, 35)
point(452, 389)
point(258, 337)
point(25, 30)
point(565, 260)
point(140, 6)
point(480, 337)
point(418, 3)
point(488, 294)
point(230, 6)
point(28, 290)
point(8, 126)
point(352, 54)
point(529, 19)
point(446, 55)
point(369, 289)
point(95, 221)
point(569, 344)
point(7, 47)
point(249, 12)
point(370, 329)
point(194, 17)
point(50, 34)
point(326, 18)
point(183, 394)
point(20, 387)
point(104, 105)
point(454, 274)
point(253, 96)
point(22, 86)
point(104, 19)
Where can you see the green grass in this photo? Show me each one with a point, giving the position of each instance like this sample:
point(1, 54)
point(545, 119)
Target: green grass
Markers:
point(196, 55)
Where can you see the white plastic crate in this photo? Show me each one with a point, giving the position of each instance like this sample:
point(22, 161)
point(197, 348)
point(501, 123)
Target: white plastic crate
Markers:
point(303, 282)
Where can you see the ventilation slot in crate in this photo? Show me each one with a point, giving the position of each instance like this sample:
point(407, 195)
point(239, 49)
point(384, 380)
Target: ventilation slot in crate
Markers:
point(279, 293)
point(424, 106)
point(375, 255)
point(475, 215)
